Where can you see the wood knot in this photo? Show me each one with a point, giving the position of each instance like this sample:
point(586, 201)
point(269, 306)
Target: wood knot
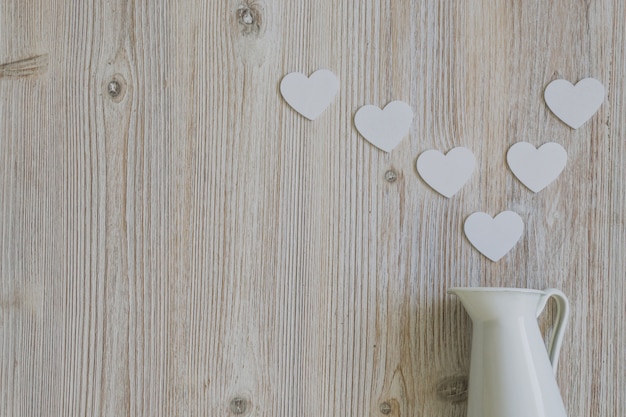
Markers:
point(250, 18)
point(453, 389)
point(238, 406)
point(389, 407)
point(116, 87)
point(391, 176)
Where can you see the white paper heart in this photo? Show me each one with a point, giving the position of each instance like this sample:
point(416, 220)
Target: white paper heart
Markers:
point(536, 168)
point(494, 237)
point(384, 128)
point(310, 96)
point(446, 174)
point(574, 105)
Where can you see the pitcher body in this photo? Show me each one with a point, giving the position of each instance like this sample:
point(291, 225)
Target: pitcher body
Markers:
point(511, 372)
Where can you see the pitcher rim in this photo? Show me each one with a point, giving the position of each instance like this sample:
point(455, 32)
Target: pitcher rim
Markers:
point(494, 289)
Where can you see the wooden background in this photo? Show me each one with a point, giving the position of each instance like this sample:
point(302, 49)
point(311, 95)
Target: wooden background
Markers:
point(194, 247)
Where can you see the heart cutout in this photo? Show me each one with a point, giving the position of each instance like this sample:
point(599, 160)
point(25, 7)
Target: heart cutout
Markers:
point(447, 173)
point(384, 128)
point(494, 237)
point(574, 105)
point(536, 168)
point(310, 96)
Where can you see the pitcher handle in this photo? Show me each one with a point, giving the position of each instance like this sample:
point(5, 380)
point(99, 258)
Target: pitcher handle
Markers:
point(562, 316)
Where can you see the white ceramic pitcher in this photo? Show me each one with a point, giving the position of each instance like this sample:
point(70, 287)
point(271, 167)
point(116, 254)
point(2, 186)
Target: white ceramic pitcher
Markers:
point(511, 372)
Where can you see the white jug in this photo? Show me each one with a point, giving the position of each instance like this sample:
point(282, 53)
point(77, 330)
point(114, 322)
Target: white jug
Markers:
point(511, 372)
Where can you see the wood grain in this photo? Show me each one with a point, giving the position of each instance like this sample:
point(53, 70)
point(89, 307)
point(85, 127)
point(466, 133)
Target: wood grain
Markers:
point(194, 247)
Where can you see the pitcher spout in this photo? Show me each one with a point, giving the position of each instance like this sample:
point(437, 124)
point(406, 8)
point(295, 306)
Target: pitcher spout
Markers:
point(489, 303)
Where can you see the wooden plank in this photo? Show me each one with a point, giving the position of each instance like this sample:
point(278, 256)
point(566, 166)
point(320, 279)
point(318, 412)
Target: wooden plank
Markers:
point(189, 245)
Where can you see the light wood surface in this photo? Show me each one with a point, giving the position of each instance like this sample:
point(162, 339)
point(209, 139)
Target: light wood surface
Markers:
point(194, 247)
